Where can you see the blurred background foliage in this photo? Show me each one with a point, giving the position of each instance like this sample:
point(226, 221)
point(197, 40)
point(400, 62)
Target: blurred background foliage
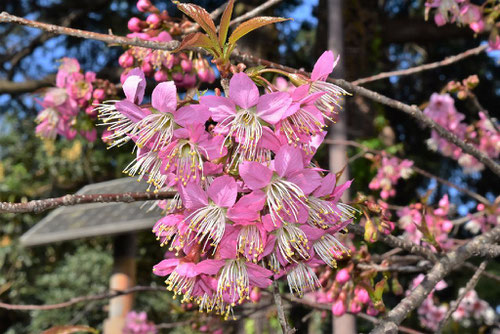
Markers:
point(378, 36)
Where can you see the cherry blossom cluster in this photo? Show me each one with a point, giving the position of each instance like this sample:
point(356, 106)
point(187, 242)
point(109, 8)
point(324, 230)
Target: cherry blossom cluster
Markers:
point(137, 323)
point(482, 134)
point(490, 217)
point(344, 293)
point(464, 12)
point(389, 171)
point(251, 204)
point(69, 108)
point(185, 69)
point(431, 312)
point(427, 224)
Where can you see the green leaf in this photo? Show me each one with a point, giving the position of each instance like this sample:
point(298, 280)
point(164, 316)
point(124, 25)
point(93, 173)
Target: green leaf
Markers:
point(197, 39)
point(68, 329)
point(251, 25)
point(224, 22)
point(200, 16)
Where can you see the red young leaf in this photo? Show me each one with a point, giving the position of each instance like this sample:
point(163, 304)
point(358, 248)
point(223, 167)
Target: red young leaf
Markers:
point(251, 25)
point(201, 17)
point(224, 22)
point(69, 329)
point(196, 39)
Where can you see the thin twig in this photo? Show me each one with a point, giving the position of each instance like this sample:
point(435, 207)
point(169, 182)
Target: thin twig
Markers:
point(40, 205)
point(213, 15)
point(443, 267)
point(328, 307)
point(470, 285)
point(447, 61)
point(77, 300)
point(254, 12)
point(281, 312)
point(486, 274)
point(412, 111)
point(417, 170)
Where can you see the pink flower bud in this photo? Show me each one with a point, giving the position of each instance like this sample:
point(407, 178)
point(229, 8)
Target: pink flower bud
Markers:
point(255, 295)
point(362, 295)
point(439, 20)
point(355, 307)
point(154, 20)
point(99, 94)
point(161, 76)
point(147, 68)
point(338, 308)
point(186, 65)
point(371, 311)
point(135, 24)
point(91, 111)
point(144, 5)
point(342, 276)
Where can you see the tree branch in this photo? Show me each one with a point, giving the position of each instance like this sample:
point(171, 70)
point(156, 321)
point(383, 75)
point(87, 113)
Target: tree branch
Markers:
point(37, 206)
point(254, 12)
point(77, 300)
point(412, 111)
point(470, 285)
point(281, 313)
point(445, 265)
point(417, 170)
point(445, 62)
point(28, 86)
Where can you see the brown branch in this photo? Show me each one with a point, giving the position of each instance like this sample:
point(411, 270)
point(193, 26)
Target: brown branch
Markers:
point(110, 39)
point(417, 170)
point(254, 12)
point(445, 62)
point(395, 268)
point(444, 266)
point(412, 111)
point(28, 86)
point(396, 242)
point(486, 274)
point(77, 300)
point(468, 287)
point(328, 307)
point(281, 312)
point(40, 205)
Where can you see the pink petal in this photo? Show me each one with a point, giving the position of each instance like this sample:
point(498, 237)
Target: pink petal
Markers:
point(272, 106)
point(223, 191)
point(323, 67)
point(339, 190)
point(213, 147)
point(269, 140)
point(220, 107)
point(130, 110)
point(243, 91)
point(271, 241)
point(165, 267)
point(258, 276)
point(326, 186)
point(288, 160)
point(255, 175)
point(227, 248)
point(193, 197)
point(248, 207)
point(187, 269)
point(307, 180)
point(164, 97)
point(268, 224)
point(209, 267)
point(134, 86)
point(191, 114)
point(312, 233)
